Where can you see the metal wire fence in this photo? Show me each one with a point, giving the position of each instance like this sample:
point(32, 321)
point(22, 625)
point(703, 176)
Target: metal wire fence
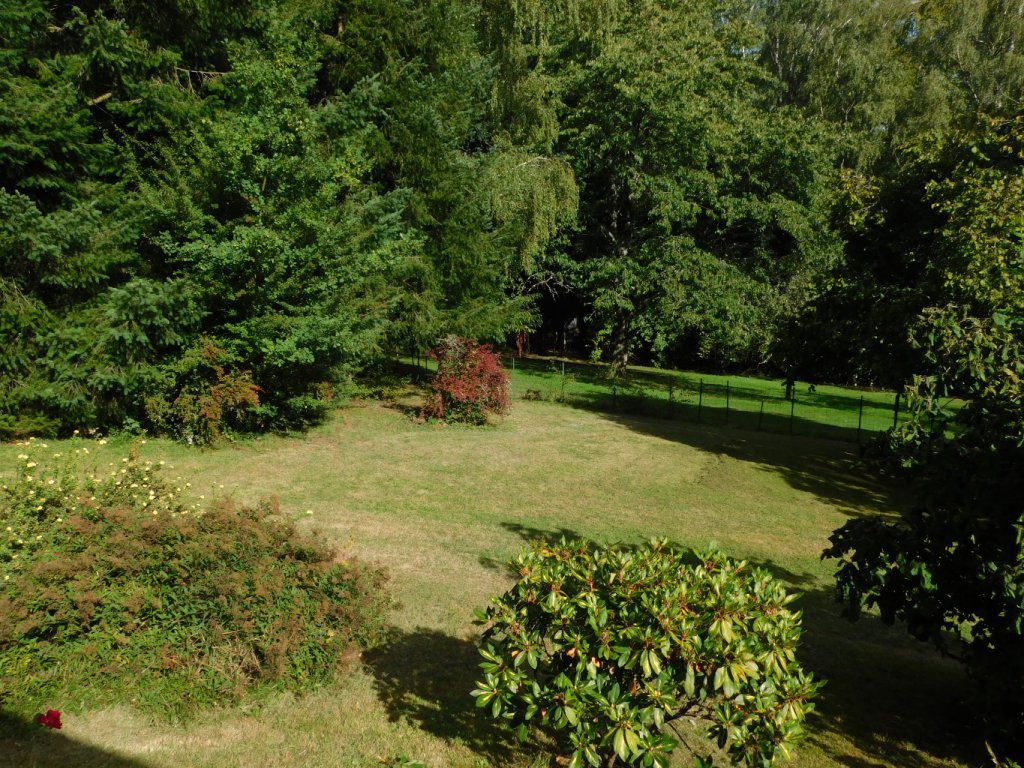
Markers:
point(744, 402)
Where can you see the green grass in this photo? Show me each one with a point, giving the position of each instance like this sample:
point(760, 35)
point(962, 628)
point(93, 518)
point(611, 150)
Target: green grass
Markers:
point(444, 507)
point(747, 402)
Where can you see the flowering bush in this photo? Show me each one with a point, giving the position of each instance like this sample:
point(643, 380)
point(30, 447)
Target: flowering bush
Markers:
point(117, 585)
point(605, 646)
point(469, 385)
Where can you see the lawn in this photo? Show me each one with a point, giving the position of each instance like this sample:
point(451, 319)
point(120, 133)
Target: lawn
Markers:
point(747, 402)
point(444, 507)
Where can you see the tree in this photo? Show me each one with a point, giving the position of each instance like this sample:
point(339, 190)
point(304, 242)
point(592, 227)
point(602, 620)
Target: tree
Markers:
point(275, 178)
point(900, 80)
point(702, 212)
point(953, 571)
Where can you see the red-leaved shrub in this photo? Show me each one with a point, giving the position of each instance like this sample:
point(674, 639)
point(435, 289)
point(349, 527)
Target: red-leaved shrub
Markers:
point(470, 383)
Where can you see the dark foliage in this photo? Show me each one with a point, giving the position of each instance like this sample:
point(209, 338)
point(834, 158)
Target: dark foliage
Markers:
point(954, 570)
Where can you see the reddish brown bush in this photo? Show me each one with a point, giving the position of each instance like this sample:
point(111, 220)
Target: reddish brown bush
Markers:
point(470, 383)
point(116, 589)
point(202, 396)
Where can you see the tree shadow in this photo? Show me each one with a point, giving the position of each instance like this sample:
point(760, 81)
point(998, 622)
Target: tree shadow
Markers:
point(889, 700)
point(675, 394)
point(831, 472)
point(425, 677)
point(23, 744)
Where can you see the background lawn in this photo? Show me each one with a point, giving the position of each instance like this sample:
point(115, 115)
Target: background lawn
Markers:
point(746, 402)
point(443, 508)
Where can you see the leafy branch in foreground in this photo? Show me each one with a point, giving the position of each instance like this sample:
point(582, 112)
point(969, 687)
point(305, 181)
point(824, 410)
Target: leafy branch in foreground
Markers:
point(953, 570)
point(607, 645)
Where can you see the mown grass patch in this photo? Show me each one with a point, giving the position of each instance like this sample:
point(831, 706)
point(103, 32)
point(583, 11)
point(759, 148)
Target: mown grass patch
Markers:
point(444, 507)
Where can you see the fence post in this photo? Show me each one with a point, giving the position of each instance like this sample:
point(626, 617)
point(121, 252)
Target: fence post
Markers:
point(760, 415)
point(896, 411)
point(615, 397)
point(792, 410)
point(860, 418)
point(700, 399)
point(563, 379)
point(727, 400)
point(671, 403)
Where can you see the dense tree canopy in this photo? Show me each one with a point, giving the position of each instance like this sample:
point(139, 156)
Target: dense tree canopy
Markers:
point(229, 208)
point(278, 185)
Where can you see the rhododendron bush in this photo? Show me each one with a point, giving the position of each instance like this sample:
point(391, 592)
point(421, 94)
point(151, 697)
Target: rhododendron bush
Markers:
point(604, 646)
point(117, 585)
point(470, 383)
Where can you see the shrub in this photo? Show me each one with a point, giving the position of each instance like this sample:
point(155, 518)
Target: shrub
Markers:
point(201, 396)
point(115, 588)
point(606, 645)
point(470, 383)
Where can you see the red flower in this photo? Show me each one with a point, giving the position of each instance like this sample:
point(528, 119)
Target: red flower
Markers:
point(51, 719)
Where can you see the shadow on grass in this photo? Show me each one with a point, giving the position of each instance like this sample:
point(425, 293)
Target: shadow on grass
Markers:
point(27, 745)
point(425, 677)
point(888, 701)
point(829, 471)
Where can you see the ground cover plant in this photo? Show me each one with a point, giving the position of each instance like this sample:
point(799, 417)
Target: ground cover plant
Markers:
point(119, 585)
point(607, 646)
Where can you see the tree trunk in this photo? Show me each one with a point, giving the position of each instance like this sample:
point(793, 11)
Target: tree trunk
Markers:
point(620, 348)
